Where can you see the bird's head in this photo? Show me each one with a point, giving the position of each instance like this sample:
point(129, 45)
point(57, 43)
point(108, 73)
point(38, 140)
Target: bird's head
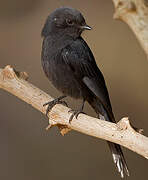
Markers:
point(67, 21)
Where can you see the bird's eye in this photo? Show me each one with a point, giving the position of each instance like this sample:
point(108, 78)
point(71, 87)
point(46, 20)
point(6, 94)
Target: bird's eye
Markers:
point(69, 22)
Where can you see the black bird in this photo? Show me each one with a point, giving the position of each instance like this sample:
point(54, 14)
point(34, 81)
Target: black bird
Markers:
point(70, 65)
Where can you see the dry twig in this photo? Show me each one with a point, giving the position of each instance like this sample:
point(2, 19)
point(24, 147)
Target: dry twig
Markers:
point(135, 14)
point(121, 133)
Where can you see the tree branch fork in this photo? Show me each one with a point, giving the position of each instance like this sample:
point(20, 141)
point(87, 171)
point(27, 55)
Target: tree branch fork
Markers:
point(121, 133)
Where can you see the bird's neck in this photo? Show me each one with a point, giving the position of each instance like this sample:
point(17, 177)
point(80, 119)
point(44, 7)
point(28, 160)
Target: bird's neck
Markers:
point(60, 40)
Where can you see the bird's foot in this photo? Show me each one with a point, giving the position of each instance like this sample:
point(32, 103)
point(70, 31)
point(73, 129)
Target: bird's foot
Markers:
point(51, 104)
point(75, 114)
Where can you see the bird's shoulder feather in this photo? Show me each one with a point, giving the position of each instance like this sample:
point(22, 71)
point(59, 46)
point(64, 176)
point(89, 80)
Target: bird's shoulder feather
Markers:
point(82, 63)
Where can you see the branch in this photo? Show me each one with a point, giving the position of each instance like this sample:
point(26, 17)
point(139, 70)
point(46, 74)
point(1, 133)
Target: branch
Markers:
point(121, 133)
point(135, 14)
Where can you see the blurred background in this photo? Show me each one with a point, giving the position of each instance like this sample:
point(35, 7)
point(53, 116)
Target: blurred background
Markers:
point(27, 150)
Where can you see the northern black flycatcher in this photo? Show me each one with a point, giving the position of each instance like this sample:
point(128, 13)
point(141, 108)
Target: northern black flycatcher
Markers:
point(71, 67)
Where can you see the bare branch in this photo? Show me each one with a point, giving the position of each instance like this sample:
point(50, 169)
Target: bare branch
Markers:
point(135, 14)
point(121, 133)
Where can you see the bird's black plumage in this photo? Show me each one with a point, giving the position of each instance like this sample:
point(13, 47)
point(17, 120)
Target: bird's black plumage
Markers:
point(70, 65)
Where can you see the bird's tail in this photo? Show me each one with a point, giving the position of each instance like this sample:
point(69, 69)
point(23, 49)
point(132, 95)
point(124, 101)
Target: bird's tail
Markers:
point(115, 149)
point(118, 158)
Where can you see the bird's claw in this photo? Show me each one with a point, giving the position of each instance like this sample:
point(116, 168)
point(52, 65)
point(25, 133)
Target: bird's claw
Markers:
point(51, 104)
point(75, 113)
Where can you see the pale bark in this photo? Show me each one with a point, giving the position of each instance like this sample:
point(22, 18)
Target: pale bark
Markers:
point(121, 133)
point(135, 14)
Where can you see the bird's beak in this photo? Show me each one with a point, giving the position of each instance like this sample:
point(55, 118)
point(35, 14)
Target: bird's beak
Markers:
point(86, 27)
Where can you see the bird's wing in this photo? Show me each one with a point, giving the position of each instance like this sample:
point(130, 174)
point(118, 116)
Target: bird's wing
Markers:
point(82, 63)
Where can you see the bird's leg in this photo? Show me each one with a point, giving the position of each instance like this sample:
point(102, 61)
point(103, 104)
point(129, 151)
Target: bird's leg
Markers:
point(51, 104)
point(75, 113)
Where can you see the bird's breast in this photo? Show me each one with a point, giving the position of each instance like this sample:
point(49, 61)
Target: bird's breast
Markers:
point(61, 76)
